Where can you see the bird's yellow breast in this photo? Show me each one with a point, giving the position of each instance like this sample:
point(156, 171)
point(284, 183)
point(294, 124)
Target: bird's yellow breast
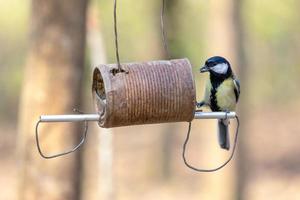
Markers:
point(225, 95)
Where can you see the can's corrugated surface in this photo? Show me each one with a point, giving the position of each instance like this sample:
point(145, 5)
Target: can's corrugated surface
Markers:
point(151, 92)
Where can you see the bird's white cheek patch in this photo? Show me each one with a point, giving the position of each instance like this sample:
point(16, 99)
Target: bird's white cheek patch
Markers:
point(220, 68)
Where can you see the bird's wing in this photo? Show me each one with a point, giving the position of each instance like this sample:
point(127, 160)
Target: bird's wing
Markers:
point(237, 90)
point(206, 99)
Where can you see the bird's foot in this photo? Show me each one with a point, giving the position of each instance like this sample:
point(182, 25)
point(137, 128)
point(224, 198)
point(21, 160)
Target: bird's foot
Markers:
point(77, 111)
point(199, 104)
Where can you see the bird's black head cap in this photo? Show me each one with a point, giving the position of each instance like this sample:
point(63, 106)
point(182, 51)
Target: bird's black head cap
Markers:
point(218, 67)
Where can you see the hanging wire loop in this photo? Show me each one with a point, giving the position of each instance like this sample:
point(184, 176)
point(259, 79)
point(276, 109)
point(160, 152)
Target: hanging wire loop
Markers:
point(64, 118)
point(222, 165)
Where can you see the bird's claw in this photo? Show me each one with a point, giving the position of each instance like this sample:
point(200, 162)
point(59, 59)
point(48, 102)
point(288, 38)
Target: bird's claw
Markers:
point(77, 111)
point(199, 104)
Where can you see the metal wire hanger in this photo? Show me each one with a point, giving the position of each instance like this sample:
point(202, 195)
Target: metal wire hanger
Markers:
point(82, 140)
point(119, 69)
point(216, 168)
point(165, 43)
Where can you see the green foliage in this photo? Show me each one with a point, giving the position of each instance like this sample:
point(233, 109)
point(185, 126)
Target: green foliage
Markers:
point(272, 44)
point(13, 41)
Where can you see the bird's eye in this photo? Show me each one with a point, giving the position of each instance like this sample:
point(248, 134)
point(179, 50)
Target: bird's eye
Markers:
point(210, 64)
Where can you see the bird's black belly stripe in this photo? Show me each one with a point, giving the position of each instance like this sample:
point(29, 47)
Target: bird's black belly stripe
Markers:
point(215, 83)
point(213, 100)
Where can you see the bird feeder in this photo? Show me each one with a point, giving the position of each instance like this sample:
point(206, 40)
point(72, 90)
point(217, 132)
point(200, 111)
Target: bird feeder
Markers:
point(141, 93)
point(145, 93)
point(148, 93)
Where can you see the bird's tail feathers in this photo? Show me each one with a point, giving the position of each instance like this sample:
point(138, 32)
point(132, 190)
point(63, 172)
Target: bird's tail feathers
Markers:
point(223, 134)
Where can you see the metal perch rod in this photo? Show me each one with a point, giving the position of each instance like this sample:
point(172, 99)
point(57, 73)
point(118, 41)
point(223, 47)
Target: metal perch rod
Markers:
point(214, 115)
point(70, 118)
point(96, 117)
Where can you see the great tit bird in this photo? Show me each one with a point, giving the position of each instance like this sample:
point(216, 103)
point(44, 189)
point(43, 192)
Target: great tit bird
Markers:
point(221, 93)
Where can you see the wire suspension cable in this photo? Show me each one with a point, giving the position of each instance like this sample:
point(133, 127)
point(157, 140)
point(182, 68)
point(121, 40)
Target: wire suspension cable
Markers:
point(163, 31)
point(116, 37)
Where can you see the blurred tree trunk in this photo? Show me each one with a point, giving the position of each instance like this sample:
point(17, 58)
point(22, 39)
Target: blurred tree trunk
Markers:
point(223, 39)
point(52, 85)
point(242, 167)
point(98, 176)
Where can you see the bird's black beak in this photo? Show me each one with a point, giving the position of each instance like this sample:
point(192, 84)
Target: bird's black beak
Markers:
point(204, 69)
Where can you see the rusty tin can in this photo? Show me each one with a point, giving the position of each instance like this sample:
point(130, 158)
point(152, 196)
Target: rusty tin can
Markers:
point(150, 92)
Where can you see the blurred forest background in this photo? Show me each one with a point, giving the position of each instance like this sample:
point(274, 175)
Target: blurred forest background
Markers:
point(47, 52)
